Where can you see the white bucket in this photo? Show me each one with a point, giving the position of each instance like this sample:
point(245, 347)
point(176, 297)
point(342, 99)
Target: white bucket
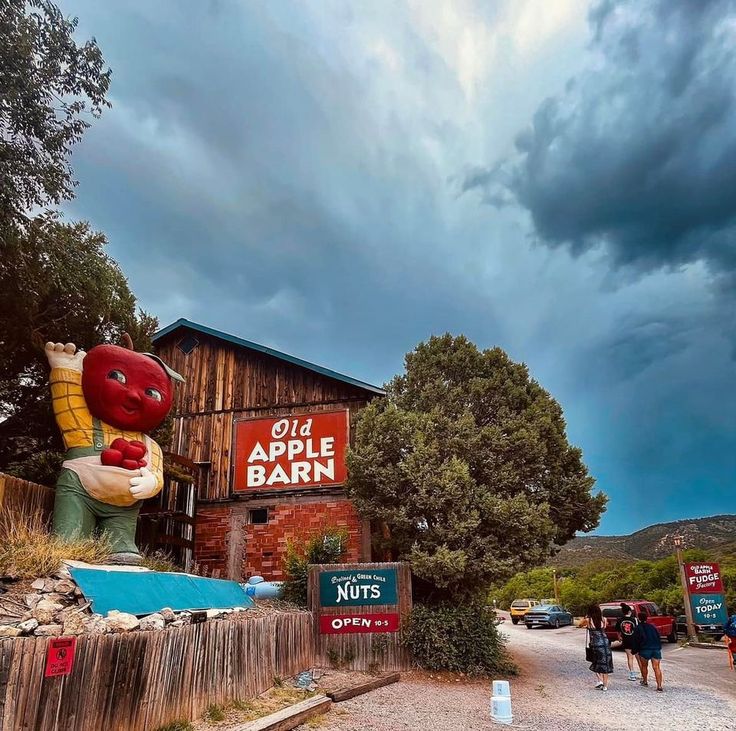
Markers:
point(501, 709)
point(501, 687)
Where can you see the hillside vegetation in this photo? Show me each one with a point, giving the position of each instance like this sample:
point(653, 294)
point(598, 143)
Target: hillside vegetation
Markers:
point(606, 580)
point(651, 543)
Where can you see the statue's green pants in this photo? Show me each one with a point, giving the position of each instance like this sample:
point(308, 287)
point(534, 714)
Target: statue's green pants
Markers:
point(78, 515)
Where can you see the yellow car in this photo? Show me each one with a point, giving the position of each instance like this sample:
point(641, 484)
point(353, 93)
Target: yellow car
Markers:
point(520, 607)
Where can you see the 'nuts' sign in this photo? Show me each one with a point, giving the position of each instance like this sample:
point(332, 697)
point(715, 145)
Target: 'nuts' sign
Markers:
point(703, 578)
point(351, 588)
point(303, 450)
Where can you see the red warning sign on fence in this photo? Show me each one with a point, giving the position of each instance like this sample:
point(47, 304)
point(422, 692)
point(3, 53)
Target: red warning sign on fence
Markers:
point(60, 656)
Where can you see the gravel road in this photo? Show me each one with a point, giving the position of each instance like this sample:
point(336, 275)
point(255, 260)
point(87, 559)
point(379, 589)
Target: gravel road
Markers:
point(555, 693)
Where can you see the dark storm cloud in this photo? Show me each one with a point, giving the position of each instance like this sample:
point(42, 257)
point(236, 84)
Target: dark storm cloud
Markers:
point(246, 169)
point(279, 171)
point(638, 154)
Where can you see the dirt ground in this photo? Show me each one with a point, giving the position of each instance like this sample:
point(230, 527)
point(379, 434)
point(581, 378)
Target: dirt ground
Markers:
point(234, 715)
point(553, 693)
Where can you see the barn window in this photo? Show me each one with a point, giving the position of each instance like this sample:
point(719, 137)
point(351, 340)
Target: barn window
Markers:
point(258, 516)
point(187, 344)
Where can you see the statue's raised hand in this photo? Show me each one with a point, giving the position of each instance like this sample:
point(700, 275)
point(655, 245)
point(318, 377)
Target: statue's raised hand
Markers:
point(64, 356)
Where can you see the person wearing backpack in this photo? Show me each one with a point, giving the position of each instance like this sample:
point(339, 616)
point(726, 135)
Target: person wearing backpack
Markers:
point(625, 628)
point(648, 647)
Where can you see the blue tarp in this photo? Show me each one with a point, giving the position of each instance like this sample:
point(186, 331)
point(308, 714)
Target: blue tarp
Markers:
point(145, 592)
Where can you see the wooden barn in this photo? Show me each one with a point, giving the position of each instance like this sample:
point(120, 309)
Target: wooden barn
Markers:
point(264, 434)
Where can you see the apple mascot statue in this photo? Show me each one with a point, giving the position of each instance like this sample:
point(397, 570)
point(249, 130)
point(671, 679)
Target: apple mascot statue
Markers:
point(105, 402)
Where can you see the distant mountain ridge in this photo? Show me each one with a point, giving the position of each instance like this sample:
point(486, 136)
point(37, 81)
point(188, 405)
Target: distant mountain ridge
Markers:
point(653, 542)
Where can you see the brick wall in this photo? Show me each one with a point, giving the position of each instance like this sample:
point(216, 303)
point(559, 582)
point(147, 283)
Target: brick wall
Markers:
point(265, 545)
point(261, 548)
point(211, 539)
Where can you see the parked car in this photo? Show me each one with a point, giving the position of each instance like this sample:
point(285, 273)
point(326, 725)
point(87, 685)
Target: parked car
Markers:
point(519, 607)
point(547, 615)
point(666, 625)
point(710, 630)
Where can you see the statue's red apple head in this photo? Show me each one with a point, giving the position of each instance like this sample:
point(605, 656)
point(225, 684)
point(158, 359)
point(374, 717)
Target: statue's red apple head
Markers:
point(127, 390)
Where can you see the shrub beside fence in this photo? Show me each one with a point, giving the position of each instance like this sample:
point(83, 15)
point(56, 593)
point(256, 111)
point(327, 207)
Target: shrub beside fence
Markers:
point(142, 680)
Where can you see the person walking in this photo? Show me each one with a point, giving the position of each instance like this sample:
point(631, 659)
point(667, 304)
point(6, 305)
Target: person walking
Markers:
point(598, 648)
point(729, 638)
point(625, 628)
point(648, 648)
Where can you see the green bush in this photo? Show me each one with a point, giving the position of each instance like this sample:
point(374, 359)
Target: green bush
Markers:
point(326, 546)
point(461, 639)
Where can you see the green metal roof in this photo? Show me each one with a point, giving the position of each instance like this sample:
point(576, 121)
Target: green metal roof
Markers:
point(183, 323)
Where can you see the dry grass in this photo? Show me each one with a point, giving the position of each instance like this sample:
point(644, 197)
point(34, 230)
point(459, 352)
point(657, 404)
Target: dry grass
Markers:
point(159, 561)
point(176, 726)
point(242, 711)
point(28, 551)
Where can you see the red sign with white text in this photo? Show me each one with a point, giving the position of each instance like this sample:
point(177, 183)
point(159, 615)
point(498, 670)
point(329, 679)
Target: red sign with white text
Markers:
point(703, 578)
point(304, 450)
point(343, 624)
point(60, 656)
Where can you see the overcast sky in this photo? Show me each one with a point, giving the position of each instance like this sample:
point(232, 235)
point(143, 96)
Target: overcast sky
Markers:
point(340, 180)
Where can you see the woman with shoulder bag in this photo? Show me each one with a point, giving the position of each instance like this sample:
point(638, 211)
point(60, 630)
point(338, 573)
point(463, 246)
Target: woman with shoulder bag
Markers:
point(597, 647)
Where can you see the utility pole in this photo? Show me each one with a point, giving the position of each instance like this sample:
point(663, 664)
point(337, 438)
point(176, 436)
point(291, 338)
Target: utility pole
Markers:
point(691, 633)
point(554, 583)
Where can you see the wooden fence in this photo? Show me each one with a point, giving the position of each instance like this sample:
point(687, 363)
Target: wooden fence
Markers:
point(142, 680)
point(22, 499)
point(366, 652)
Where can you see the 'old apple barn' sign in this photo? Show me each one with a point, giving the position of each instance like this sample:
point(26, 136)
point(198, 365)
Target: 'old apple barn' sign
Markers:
point(304, 450)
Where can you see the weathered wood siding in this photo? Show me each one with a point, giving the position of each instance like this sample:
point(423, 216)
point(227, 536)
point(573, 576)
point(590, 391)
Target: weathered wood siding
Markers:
point(378, 651)
point(23, 499)
point(225, 382)
point(139, 681)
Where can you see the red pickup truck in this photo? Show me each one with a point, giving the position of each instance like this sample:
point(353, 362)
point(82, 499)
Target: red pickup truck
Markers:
point(666, 626)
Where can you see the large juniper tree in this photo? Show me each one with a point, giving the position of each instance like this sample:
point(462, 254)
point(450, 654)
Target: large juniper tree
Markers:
point(465, 469)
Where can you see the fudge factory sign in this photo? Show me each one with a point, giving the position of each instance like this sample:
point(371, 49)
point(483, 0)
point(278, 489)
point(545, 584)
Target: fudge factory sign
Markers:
point(703, 578)
point(304, 450)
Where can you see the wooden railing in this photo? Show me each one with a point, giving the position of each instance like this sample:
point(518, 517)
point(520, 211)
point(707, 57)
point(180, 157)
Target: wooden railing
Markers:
point(167, 521)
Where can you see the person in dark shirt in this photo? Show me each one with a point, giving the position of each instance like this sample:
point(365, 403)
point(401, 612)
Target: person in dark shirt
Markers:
point(625, 628)
point(648, 647)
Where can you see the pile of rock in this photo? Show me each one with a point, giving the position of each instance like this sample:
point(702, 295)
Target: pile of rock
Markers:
point(56, 606)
